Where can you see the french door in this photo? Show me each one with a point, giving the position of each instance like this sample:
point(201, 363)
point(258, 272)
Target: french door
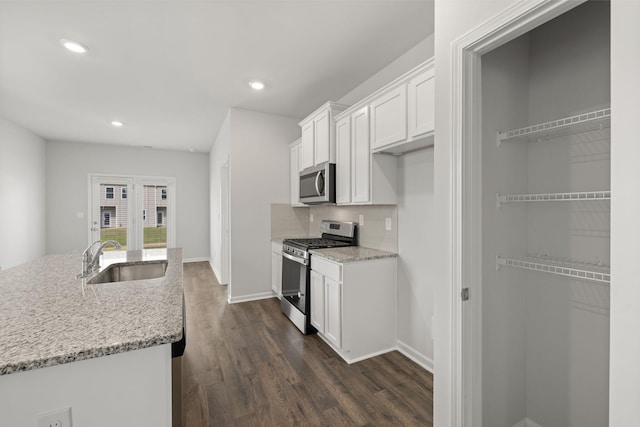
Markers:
point(138, 212)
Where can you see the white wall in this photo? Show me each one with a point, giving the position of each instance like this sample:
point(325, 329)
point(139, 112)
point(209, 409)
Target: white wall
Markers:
point(218, 157)
point(68, 166)
point(22, 195)
point(624, 393)
point(405, 62)
point(416, 224)
point(258, 153)
point(567, 383)
point(453, 19)
point(124, 389)
point(416, 228)
point(505, 89)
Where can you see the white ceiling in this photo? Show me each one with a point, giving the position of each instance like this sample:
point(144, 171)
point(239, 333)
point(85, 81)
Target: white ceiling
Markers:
point(171, 69)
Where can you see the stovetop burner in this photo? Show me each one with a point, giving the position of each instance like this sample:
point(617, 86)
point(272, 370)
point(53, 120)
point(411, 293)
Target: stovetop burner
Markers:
point(317, 242)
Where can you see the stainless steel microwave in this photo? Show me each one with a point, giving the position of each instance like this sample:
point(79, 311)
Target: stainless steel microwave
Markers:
point(318, 184)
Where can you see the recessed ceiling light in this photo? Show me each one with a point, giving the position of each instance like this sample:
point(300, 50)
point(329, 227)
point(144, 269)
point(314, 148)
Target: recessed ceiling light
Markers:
point(74, 46)
point(256, 85)
point(117, 123)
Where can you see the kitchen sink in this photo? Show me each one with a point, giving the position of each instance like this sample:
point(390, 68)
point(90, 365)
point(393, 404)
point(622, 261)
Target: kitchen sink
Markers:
point(130, 271)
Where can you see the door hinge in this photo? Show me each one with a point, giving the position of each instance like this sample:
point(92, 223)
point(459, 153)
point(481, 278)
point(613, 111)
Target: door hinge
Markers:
point(465, 294)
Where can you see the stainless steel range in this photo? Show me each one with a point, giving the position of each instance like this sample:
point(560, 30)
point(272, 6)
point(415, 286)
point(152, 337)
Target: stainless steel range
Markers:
point(296, 268)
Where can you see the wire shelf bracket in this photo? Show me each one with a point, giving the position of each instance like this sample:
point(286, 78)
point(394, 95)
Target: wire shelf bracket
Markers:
point(572, 269)
point(553, 197)
point(585, 122)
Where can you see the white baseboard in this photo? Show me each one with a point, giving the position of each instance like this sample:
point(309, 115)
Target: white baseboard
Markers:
point(215, 272)
point(198, 259)
point(415, 355)
point(252, 297)
point(367, 356)
point(526, 423)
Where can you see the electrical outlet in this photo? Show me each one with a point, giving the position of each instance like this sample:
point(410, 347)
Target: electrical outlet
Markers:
point(361, 220)
point(57, 418)
point(387, 223)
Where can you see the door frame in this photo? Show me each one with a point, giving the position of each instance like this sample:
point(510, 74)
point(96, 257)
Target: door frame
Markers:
point(225, 219)
point(465, 235)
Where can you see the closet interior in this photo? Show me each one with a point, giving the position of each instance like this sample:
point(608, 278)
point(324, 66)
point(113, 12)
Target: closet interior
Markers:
point(545, 227)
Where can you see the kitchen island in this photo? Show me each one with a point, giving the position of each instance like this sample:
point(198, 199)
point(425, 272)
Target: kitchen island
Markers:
point(104, 350)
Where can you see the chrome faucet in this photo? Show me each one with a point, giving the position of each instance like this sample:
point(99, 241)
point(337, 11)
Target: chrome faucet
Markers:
point(91, 258)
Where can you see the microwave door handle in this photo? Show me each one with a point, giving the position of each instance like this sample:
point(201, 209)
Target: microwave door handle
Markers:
point(317, 184)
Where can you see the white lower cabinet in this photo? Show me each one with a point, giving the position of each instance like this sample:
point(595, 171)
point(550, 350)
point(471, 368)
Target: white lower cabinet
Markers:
point(276, 269)
point(353, 306)
point(317, 301)
point(333, 311)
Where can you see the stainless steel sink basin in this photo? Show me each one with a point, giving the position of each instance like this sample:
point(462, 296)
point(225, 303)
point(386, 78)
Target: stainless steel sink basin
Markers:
point(130, 271)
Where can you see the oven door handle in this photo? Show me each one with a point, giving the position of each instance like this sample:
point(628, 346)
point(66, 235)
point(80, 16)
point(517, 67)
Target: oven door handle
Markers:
point(295, 258)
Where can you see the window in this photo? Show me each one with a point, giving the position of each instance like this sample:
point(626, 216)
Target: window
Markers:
point(106, 219)
point(124, 193)
point(109, 192)
point(164, 194)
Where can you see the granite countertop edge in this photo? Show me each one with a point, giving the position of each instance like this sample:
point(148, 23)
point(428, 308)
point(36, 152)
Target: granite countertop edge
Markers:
point(117, 310)
point(352, 254)
point(90, 353)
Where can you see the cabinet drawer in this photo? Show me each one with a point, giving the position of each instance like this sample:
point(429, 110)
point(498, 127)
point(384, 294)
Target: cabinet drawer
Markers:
point(327, 268)
point(276, 247)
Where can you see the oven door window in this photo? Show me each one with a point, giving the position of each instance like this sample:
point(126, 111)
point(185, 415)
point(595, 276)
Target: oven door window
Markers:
point(295, 277)
point(312, 185)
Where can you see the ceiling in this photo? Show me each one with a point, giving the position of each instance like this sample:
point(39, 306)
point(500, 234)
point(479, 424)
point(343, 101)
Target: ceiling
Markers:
point(170, 70)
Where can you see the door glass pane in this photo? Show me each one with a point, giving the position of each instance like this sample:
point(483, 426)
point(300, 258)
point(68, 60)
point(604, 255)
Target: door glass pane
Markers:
point(113, 214)
point(154, 206)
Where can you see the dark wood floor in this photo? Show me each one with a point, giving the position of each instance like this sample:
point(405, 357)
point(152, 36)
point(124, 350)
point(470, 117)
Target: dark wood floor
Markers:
point(247, 365)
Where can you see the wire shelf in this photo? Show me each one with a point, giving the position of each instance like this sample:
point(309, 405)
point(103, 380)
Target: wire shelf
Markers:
point(592, 120)
point(553, 197)
point(568, 268)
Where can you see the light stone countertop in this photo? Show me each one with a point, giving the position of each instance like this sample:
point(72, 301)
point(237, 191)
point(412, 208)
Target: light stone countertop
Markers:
point(351, 254)
point(46, 320)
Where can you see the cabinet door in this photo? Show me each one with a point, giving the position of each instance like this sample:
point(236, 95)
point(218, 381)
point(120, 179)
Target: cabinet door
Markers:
point(361, 156)
point(389, 118)
point(317, 301)
point(333, 321)
point(306, 146)
point(295, 175)
point(343, 160)
point(421, 99)
point(276, 273)
point(322, 125)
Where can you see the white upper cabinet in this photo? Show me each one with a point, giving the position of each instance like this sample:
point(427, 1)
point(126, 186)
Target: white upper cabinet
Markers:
point(322, 126)
point(343, 160)
point(421, 105)
point(361, 177)
point(402, 112)
point(318, 136)
point(307, 146)
point(389, 118)
point(361, 159)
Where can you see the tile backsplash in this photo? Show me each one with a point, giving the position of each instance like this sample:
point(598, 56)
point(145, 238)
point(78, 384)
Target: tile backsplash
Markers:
point(296, 222)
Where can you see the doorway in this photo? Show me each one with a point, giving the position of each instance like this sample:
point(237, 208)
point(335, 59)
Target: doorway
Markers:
point(518, 350)
point(138, 212)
